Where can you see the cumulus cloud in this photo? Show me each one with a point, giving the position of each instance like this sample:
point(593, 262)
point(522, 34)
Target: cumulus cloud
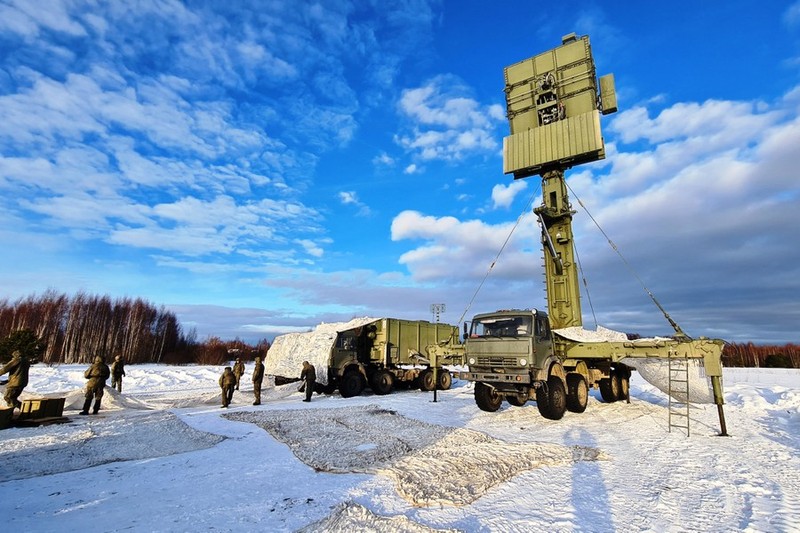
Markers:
point(447, 123)
point(503, 196)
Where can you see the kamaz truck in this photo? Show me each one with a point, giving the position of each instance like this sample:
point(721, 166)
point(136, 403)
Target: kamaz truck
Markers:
point(554, 105)
point(376, 353)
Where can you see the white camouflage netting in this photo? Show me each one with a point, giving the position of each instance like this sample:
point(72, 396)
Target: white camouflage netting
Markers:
point(287, 353)
point(95, 441)
point(430, 465)
point(349, 516)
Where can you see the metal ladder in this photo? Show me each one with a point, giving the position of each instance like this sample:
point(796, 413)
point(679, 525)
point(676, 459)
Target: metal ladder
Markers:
point(678, 394)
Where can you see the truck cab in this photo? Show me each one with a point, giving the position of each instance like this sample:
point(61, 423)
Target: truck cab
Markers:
point(507, 349)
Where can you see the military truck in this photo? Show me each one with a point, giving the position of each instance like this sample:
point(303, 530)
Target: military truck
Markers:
point(554, 106)
point(376, 353)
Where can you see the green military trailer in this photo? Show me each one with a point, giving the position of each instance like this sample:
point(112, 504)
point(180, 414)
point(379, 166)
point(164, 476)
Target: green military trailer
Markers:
point(376, 353)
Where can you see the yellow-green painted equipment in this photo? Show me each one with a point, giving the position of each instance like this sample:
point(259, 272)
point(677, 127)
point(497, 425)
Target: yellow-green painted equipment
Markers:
point(554, 103)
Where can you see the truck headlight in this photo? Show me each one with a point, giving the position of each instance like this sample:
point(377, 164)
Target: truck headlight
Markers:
point(523, 362)
point(471, 360)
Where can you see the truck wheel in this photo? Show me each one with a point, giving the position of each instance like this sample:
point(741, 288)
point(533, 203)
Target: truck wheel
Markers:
point(609, 388)
point(517, 400)
point(352, 384)
point(552, 399)
point(445, 379)
point(426, 380)
point(382, 382)
point(577, 393)
point(624, 387)
point(487, 398)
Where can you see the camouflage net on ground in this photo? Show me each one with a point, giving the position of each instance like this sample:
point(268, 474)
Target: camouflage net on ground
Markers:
point(429, 464)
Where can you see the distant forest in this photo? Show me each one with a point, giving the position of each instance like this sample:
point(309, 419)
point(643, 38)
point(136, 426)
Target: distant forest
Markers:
point(75, 329)
point(751, 355)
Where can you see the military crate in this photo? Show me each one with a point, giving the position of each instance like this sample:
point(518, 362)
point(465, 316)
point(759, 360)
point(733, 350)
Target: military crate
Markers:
point(41, 408)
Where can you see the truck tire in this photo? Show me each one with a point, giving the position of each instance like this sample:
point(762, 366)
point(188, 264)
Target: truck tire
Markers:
point(609, 388)
point(624, 387)
point(425, 379)
point(487, 398)
point(552, 399)
point(445, 379)
point(352, 384)
point(577, 393)
point(382, 382)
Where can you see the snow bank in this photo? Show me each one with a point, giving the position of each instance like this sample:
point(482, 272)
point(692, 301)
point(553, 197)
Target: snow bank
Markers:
point(431, 465)
point(287, 353)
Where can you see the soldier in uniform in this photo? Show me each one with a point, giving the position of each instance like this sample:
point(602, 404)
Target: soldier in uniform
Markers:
point(309, 374)
point(238, 370)
point(117, 371)
point(227, 382)
point(17, 370)
point(258, 377)
point(97, 374)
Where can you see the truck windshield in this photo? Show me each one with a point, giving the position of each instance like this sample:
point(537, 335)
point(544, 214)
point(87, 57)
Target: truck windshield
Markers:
point(506, 326)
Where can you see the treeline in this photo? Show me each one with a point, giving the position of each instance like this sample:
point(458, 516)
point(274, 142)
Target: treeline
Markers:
point(74, 329)
point(751, 355)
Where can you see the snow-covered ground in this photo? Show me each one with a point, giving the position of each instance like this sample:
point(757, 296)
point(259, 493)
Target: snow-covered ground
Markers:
point(163, 456)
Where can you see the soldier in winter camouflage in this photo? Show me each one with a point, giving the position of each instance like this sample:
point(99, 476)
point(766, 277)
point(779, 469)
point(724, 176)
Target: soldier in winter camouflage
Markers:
point(97, 374)
point(17, 370)
point(227, 382)
point(238, 370)
point(258, 377)
point(117, 371)
point(309, 374)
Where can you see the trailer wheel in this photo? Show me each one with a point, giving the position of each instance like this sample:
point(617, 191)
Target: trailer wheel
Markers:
point(517, 400)
point(425, 379)
point(624, 387)
point(352, 384)
point(609, 388)
point(577, 393)
point(487, 397)
point(445, 379)
point(552, 399)
point(382, 382)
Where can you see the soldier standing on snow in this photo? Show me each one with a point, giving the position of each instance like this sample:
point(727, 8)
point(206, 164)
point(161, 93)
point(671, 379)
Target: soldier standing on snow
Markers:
point(238, 370)
point(17, 370)
point(227, 382)
point(117, 371)
point(309, 374)
point(258, 377)
point(97, 374)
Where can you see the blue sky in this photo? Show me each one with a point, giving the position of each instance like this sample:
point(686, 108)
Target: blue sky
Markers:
point(261, 167)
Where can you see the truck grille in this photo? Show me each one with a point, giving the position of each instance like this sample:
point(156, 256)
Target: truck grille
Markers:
point(497, 361)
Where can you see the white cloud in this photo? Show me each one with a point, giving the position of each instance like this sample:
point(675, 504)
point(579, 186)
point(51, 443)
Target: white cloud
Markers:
point(383, 159)
point(351, 198)
point(792, 15)
point(503, 196)
point(448, 124)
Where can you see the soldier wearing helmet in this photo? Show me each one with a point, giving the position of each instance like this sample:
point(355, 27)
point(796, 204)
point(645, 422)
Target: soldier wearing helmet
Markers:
point(238, 370)
point(258, 377)
point(97, 374)
point(117, 371)
point(17, 370)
